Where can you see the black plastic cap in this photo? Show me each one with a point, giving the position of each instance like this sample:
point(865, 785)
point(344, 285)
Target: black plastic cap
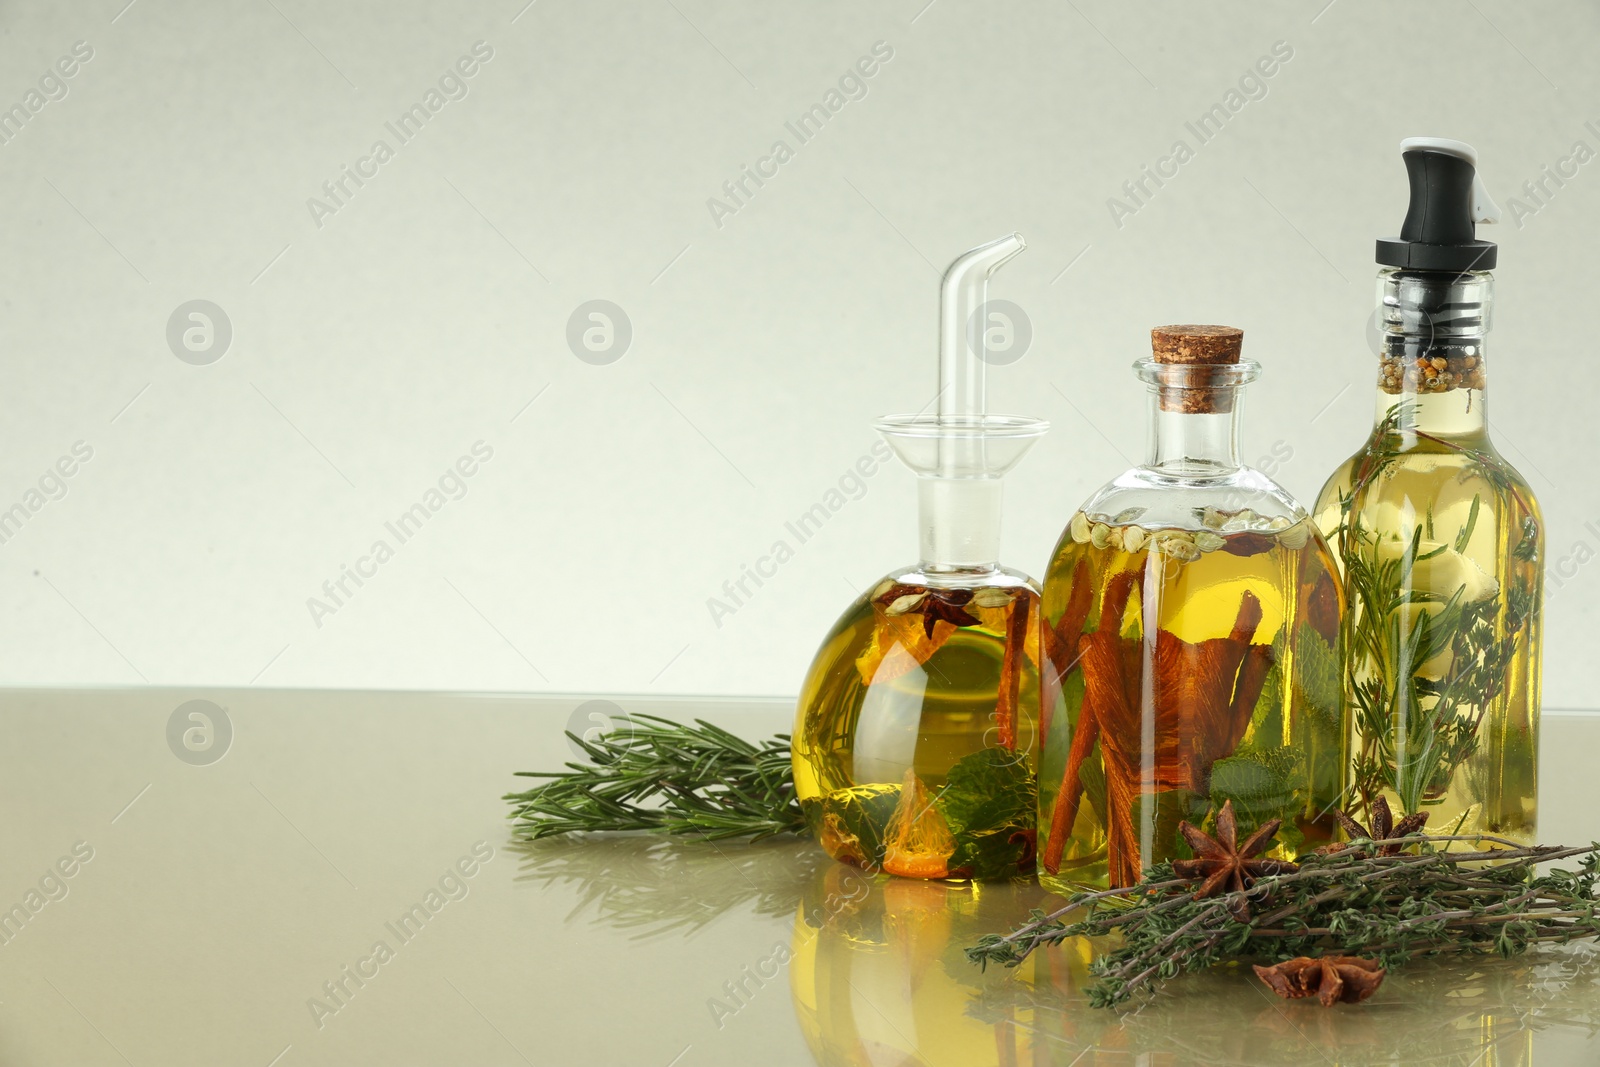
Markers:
point(1439, 232)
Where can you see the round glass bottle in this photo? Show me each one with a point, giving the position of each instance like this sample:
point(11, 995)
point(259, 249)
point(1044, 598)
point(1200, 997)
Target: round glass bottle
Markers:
point(1192, 616)
point(915, 737)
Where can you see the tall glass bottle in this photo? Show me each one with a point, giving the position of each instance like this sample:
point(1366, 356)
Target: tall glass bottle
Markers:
point(1438, 537)
point(1192, 615)
point(914, 741)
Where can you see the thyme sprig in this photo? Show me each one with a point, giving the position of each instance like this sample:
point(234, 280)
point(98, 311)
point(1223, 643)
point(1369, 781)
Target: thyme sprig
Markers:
point(1413, 731)
point(1353, 902)
point(652, 773)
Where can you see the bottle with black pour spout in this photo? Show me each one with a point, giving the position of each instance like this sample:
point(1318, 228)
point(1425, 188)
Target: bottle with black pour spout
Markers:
point(1438, 538)
point(914, 739)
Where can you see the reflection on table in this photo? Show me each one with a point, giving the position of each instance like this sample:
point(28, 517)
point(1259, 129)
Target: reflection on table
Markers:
point(879, 976)
point(880, 979)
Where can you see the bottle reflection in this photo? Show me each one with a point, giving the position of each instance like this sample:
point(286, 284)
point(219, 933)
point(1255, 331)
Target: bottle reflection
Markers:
point(880, 978)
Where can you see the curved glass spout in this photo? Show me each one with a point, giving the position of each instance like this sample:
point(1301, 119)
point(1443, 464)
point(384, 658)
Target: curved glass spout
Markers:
point(963, 363)
point(964, 290)
point(960, 452)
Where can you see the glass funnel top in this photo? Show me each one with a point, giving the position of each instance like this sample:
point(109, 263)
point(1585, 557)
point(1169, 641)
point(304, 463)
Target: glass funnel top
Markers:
point(961, 446)
point(959, 461)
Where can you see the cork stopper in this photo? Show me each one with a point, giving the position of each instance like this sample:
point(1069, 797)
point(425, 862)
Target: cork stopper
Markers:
point(1196, 347)
point(1196, 344)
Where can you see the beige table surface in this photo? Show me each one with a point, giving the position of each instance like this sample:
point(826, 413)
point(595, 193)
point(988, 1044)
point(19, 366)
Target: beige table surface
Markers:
point(220, 895)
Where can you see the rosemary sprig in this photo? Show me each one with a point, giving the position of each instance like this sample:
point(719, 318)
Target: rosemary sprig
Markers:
point(1352, 902)
point(1414, 732)
point(651, 773)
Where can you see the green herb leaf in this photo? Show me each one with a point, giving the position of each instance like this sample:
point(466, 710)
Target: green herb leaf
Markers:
point(861, 811)
point(989, 803)
point(651, 773)
point(1484, 898)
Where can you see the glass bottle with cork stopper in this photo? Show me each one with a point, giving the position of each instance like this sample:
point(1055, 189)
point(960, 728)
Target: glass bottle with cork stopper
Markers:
point(914, 741)
point(1192, 617)
point(1438, 537)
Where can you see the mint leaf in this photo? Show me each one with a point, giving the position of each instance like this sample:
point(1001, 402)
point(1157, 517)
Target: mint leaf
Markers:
point(1262, 786)
point(860, 811)
point(988, 801)
point(1318, 670)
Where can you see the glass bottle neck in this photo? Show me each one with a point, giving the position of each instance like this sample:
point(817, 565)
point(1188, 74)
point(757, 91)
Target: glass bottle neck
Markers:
point(1194, 416)
point(1454, 413)
point(1432, 363)
point(958, 525)
point(1194, 445)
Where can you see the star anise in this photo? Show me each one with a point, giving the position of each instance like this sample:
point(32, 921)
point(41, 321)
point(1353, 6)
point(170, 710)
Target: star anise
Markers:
point(1224, 864)
point(947, 605)
point(934, 605)
point(1384, 828)
point(1350, 979)
point(1248, 544)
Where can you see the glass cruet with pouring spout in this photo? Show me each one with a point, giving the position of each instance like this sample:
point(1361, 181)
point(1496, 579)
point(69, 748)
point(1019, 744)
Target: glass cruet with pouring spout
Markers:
point(914, 741)
point(1193, 613)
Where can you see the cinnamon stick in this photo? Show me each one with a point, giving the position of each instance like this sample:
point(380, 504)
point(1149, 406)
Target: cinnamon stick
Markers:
point(1252, 676)
point(1112, 604)
point(1065, 812)
point(1062, 639)
point(1005, 709)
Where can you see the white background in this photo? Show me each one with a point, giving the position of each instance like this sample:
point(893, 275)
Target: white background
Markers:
point(371, 352)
